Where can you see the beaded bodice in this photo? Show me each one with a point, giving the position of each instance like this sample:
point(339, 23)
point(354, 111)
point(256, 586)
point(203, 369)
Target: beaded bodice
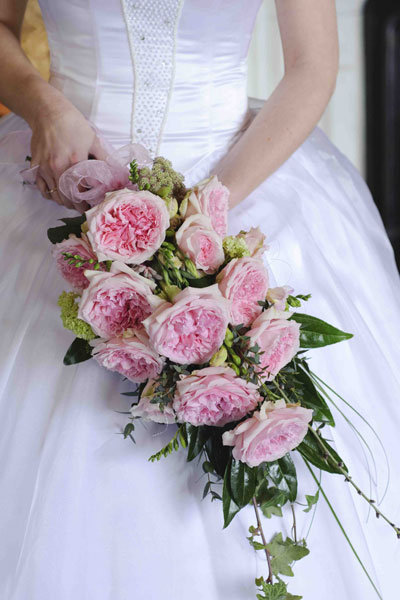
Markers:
point(170, 74)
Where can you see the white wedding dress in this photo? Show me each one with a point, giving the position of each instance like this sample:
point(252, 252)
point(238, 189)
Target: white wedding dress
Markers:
point(83, 515)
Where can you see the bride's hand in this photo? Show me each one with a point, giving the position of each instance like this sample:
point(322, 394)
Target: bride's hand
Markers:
point(61, 137)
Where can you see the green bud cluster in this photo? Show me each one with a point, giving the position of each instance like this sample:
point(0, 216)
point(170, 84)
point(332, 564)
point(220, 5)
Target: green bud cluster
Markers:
point(235, 247)
point(161, 179)
point(69, 316)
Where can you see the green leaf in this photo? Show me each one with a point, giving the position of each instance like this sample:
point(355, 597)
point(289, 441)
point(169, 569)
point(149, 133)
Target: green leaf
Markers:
point(282, 473)
point(72, 225)
point(79, 351)
point(315, 333)
point(312, 451)
point(275, 591)
point(243, 481)
point(284, 553)
point(196, 438)
point(269, 511)
point(229, 506)
point(311, 398)
point(218, 454)
point(311, 500)
point(200, 282)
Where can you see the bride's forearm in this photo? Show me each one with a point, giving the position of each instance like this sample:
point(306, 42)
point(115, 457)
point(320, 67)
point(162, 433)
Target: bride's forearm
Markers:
point(284, 122)
point(22, 89)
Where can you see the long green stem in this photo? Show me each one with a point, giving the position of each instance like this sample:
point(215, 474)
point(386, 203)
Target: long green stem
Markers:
point(342, 529)
point(348, 478)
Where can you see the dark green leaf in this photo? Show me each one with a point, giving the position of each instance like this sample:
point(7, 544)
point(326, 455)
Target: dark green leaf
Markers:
point(200, 282)
point(312, 451)
point(218, 454)
point(79, 351)
point(196, 437)
point(207, 467)
point(242, 482)
point(315, 333)
point(311, 398)
point(72, 225)
point(230, 508)
point(282, 473)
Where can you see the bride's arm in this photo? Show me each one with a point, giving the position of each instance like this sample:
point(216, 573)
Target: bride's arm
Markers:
point(53, 119)
point(309, 40)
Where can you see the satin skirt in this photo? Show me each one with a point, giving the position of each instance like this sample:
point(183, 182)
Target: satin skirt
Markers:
point(84, 515)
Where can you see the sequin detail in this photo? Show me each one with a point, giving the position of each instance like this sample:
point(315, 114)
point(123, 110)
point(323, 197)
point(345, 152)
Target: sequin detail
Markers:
point(152, 27)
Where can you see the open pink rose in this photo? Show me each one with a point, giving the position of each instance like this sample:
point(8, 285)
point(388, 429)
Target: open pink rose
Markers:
point(245, 282)
point(211, 198)
point(150, 411)
point(117, 301)
point(192, 328)
point(269, 434)
point(214, 396)
point(79, 246)
point(128, 226)
point(198, 240)
point(132, 357)
point(278, 339)
point(278, 296)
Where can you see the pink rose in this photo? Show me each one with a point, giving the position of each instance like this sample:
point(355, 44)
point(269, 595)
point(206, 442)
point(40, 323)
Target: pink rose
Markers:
point(211, 198)
point(278, 296)
point(214, 396)
point(74, 245)
point(192, 328)
point(245, 282)
point(151, 411)
point(269, 434)
point(255, 241)
point(197, 239)
point(117, 301)
point(278, 339)
point(132, 357)
point(128, 226)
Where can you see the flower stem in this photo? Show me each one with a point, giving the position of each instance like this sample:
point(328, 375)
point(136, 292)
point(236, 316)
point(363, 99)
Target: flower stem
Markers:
point(264, 541)
point(294, 527)
point(349, 479)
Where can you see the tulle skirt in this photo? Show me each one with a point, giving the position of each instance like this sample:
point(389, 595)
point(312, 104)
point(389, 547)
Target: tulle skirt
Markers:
point(84, 515)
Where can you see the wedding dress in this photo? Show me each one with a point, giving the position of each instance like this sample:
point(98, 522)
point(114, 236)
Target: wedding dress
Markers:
point(83, 515)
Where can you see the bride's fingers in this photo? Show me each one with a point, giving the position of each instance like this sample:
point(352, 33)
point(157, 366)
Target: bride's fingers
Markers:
point(97, 149)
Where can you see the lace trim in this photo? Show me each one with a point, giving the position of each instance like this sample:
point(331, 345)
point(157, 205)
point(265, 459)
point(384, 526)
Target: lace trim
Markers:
point(152, 29)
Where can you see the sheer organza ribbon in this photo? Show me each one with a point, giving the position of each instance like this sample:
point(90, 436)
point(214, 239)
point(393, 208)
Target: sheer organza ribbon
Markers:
point(88, 181)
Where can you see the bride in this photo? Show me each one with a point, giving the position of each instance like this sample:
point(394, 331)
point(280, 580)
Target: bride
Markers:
point(83, 515)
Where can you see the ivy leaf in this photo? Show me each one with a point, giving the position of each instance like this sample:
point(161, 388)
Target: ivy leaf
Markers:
point(282, 473)
point(312, 451)
point(284, 553)
point(315, 333)
point(269, 511)
point(275, 591)
point(311, 398)
point(311, 500)
point(72, 225)
point(242, 482)
point(229, 506)
point(79, 351)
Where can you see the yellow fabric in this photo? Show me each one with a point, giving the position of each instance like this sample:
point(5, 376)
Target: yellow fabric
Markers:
point(34, 42)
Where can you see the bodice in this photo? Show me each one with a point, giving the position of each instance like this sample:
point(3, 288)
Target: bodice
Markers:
point(170, 74)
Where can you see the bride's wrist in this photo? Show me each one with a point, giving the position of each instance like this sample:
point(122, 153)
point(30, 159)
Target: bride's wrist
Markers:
point(46, 103)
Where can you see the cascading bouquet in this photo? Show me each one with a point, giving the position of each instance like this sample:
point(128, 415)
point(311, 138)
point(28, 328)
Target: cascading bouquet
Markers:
point(163, 296)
